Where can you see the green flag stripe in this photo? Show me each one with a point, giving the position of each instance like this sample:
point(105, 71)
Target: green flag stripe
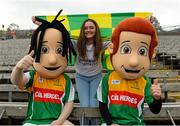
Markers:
point(43, 17)
point(105, 32)
point(75, 21)
point(118, 17)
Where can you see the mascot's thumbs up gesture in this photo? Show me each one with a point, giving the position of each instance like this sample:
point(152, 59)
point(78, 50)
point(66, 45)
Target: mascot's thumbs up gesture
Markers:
point(123, 91)
point(156, 90)
point(26, 62)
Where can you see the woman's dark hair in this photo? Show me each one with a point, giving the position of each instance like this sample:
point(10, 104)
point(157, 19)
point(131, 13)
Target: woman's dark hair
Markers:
point(36, 44)
point(81, 44)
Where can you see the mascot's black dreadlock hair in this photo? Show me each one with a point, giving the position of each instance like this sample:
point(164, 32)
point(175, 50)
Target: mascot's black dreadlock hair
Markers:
point(36, 46)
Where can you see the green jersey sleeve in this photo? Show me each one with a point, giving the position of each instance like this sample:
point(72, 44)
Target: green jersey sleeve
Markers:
point(148, 96)
point(69, 90)
point(102, 91)
point(31, 77)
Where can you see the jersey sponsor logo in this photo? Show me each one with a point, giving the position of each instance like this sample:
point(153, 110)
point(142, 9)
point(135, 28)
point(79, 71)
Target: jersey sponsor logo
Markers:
point(115, 81)
point(124, 98)
point(45, 95)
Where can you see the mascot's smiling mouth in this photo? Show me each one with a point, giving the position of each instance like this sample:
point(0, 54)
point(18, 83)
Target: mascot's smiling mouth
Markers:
point(52, 68)
point(131, 70)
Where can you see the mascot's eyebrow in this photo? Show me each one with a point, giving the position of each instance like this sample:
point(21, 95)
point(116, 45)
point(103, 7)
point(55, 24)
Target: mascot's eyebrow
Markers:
point(125, 41)
point(144, 43)
point(60, 42)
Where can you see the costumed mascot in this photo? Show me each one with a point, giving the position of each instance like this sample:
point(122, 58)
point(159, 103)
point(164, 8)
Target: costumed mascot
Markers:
point(51, 93)
point(123, 91)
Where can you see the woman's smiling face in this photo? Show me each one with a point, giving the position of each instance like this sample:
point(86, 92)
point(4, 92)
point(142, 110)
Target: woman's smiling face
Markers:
point(89, 30)
point(52, 63)
point(131, 60)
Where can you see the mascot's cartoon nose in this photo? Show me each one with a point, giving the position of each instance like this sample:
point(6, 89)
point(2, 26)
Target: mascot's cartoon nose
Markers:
point(133, 61)
point(52, 59)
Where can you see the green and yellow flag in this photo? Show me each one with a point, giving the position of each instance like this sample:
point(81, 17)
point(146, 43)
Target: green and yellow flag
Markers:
point(106, 21)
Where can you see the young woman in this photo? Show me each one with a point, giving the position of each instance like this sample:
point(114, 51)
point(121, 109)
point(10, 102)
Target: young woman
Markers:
point(89, 48)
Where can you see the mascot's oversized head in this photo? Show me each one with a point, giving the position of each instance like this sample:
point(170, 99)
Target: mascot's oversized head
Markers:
point(133, 46)
point(52, 47)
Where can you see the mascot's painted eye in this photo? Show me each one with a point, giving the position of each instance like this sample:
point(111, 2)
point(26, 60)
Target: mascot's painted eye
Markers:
point(44, 49)
point(125, 49)
point(59, 50)
point(142, 51)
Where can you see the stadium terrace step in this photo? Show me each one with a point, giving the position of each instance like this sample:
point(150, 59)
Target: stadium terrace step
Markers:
point(18, 110)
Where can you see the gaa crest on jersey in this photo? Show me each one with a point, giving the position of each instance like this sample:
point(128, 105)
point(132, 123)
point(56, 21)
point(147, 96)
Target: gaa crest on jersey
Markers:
point(57, 83)
point(135, 85)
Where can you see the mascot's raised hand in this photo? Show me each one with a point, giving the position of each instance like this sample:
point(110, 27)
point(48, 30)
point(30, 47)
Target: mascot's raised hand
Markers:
point(156, 90)
point(26, 62)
